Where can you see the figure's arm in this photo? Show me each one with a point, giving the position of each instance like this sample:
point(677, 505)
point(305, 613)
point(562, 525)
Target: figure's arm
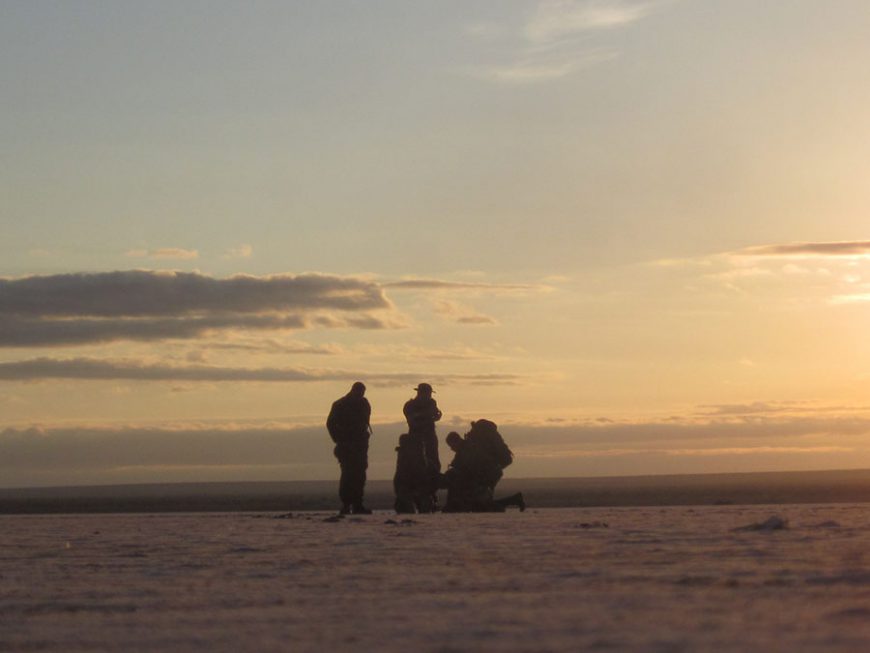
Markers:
point(332, 424)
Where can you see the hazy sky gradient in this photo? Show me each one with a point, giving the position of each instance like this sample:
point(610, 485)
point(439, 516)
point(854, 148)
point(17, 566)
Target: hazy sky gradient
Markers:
point(564, 214)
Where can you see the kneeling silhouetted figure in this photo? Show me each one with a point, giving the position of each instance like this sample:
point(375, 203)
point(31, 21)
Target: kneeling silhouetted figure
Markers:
point(477, 466)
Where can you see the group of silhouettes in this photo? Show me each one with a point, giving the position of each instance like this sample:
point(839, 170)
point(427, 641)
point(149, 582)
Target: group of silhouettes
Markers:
point(479, 459)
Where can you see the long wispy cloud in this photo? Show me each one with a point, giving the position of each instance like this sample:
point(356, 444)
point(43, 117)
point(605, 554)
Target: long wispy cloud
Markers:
point(242, 251)
point(271, 346)
point(842, 250)
point(836, 249)
point(94, 369)
point(804, 272)
point(74, 309)
point(554, 40)
point(17, 332)
point(442, 285)
point(177, 253)
point(559, 19)
point(405, 352)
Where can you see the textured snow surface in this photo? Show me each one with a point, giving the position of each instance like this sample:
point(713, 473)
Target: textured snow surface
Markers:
point(610, 579)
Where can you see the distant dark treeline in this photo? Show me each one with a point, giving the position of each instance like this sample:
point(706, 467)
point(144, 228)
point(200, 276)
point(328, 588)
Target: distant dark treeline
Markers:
point(851, 486)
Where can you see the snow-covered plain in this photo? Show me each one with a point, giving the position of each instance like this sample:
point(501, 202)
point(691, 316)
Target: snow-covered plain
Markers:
point(617, 579)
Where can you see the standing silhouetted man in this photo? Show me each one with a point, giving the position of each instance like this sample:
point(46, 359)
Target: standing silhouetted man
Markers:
point(422, 413)
point(348, 426)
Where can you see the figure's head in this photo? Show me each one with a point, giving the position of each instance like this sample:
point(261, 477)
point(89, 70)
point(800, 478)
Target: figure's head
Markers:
point(454, 440)
point(482, 425)
point(424, 390)
point(358, 389)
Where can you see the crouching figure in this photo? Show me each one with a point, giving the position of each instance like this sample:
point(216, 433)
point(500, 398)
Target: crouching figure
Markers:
point(478, 464)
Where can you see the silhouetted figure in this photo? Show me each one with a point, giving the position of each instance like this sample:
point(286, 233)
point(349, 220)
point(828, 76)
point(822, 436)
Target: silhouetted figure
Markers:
point(411, 482)
point(348, 426)
point(477, 466)
point(422, 412)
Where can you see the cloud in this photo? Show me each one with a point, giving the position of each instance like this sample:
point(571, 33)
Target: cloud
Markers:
point(105, 370)
point(553, 42)
point(748, 451)
point(137, 293)
point(709, 432)
point(789, 274)
point(538, 68)
point(358, 322)
point(108, 448)
point(93, 369)
point(15, 332)
point(242, 251)
point(836, 249)
point(438, 284)
point(857, 298)
point(754, 408)
point(755, 255)
point(478, 318)
point(463, 314)
point(164, 253)
point(252, 450)
point(557, 19)
point(681, 263)
point(397, 352)
point(272, 346)
point(72, 309)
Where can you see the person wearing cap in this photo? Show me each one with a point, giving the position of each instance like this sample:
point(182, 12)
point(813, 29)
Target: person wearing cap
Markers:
point(422, 412)
point(349, 427)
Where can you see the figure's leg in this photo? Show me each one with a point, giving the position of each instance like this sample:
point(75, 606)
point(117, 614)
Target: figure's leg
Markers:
point(424, 501)
point(342, 480)
point(405, 503)
point(433, 480)
point(357, 482)
point(430, 446)
point(345, 488)
point(455, 501)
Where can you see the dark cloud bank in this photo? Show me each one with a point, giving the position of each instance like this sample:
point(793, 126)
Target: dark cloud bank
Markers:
point(139, 293)
point(78, 309)
point(241, 452)
point(92, 369)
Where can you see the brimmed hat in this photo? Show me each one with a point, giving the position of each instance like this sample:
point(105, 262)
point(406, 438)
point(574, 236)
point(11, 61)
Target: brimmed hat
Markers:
point(424, 387)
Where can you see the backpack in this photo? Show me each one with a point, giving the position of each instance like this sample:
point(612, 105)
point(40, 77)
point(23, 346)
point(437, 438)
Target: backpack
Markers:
point(484, 434)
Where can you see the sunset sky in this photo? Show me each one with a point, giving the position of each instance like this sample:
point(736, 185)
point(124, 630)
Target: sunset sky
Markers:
point(634, 234)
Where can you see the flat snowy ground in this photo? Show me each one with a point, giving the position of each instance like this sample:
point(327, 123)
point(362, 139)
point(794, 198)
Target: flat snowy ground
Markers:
point(619, 579)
